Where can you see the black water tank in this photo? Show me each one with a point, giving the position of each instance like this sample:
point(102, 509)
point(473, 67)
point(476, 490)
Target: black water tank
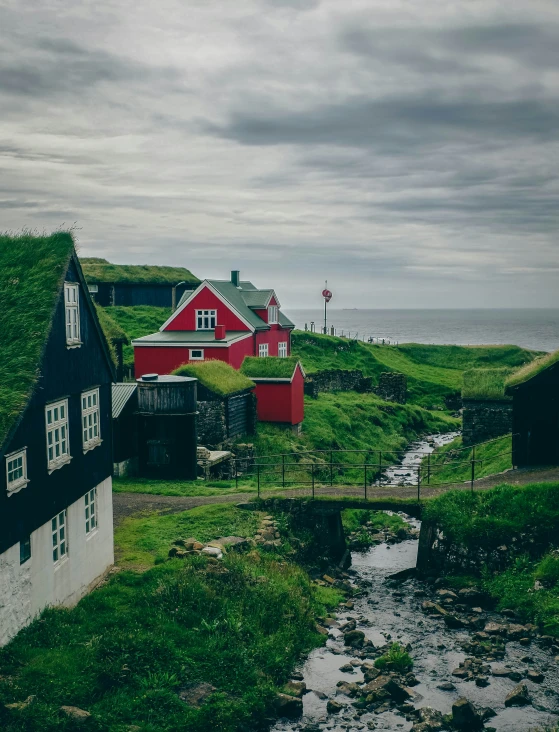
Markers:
point(167, 394)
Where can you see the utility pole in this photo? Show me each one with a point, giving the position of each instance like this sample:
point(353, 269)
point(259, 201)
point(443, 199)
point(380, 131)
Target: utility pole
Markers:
point(327, 295)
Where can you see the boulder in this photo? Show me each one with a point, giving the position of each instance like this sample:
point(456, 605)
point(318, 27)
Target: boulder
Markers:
point(471, 595)
point(233, 543)
point(348, 688)
point(295, 688)
point(518, 697)
point(501, 671)
point(446, 686)
point(536, 676)
point(212, 551)
point(447, 595)
point(334, 707)
point(75, 713)
point(495, 629)
point(387, 686)
point(465, 717)
point(288, 706)
point(515, 632)
point(430, 720)
point(196, 694)
point(453, 621)
point(354, 638)
point(22, 704)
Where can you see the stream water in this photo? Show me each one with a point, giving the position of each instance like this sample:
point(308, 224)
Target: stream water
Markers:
point(390, 610)
point(405, 473)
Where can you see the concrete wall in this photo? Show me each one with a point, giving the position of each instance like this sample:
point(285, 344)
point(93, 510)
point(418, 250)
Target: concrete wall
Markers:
point(25, 590)
point(485, 420)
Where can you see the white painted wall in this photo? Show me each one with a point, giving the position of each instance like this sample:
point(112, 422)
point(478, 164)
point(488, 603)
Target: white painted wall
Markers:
point(25, 590)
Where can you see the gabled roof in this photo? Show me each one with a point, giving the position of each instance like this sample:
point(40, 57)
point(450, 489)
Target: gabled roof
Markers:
point(122, 393)
point(32, 272)
point(531, 370)
point(243, 299)
point(187, 338)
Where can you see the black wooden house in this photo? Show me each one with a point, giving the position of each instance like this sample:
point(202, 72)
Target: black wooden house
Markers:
point(56, 532)
point(535, 412)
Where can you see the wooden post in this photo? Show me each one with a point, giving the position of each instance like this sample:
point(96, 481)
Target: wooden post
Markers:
point(283, 471)
point(236, 474)
point(419, 483)
point(380, 468)
point(429, 469)
point(331, 470)
point(312, 478)
point(258, 477)
point(473, 467)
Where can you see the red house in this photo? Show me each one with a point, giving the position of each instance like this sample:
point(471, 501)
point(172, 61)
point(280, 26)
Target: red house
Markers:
point(280, 389)
point(221, 319)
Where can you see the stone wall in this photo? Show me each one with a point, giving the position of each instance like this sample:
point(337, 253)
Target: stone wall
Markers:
point(337, 380)
point(438, 555)
point(485, 420)
point(325, 522)
point(392, 387)
point(211, 424)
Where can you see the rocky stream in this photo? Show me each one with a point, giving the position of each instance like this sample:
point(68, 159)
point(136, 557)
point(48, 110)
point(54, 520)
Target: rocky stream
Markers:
point(473, 668)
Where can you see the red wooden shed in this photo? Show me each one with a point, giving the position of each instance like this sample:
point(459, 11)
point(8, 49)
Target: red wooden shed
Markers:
point(280, 384)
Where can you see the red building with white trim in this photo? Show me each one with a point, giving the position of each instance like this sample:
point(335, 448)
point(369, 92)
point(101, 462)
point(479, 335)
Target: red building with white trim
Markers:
point(281, 400)
point(222, 319)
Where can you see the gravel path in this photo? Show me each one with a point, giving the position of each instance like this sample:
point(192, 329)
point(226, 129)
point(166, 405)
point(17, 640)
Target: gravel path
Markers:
point(128, 504)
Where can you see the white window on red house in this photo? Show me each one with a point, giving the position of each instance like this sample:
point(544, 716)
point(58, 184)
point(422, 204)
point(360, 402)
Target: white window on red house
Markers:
point(59, 532)
point(206, 319)
point(72, 313)
point(273, 314)
point(91, 435)
point(282, 349)
point(58, 445)
point(196, 354)
point(263, 350)
point(16, 471)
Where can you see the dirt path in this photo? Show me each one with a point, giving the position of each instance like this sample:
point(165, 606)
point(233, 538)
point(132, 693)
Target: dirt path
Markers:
point(128, 504)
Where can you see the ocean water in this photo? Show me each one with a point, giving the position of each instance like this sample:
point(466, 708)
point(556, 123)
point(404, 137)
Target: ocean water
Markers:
point(530, 328)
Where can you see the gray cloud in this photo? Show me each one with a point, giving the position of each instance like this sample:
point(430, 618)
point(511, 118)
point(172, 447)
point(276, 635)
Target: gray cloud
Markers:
point(410, 152)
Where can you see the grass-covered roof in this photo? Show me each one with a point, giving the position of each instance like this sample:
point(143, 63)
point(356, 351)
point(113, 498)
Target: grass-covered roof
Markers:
point(97, 270)
point(217, 376)
point(532, 369)
point(112, 330)
point(32, 270)
point(485, 384)
point(269, 367)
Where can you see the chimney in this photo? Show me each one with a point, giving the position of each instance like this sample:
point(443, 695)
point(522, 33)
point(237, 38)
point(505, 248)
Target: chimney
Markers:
point(219, 332)
point(235, 277)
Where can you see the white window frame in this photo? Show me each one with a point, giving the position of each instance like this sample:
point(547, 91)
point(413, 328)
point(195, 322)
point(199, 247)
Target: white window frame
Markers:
point(57, 425)
point(273, 314)
point(72, 314)
point(59, 533)
point(93, 289)
point(263, 350)
point(192, 351)
point(282, 346)
point(205, 318)
point(90, 511)
point(14, 486)
point(91, 419)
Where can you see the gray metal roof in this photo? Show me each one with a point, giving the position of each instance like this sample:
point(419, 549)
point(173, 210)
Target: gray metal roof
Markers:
point(121, 395)
point(186, 337)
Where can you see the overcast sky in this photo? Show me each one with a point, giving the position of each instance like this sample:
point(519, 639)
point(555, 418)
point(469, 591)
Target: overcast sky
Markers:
point(407, 150)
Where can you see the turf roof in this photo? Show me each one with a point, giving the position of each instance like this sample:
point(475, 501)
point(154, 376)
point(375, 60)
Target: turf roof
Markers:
point(217, 376)
point(269, 367)
point(112, 330)
point(532, 369)
point(32, 270)
point(485, 384)
point(97, 270)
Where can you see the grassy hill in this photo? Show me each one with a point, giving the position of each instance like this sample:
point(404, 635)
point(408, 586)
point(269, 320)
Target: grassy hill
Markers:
point(137, 321)
point(433, 372)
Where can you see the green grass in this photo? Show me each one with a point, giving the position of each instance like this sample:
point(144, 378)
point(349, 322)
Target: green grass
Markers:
point(485, 384)
point(269, 367)
point(396, 659)
point(183, 488)
point(492, 517)
point(126, 650)
point(137, 321)
point(96, 269)
point(532, 369)
point(433, 372)
point(145, 541)
point(450, 463)
point(112, 330)
point(32, 270)
point(217, 376)
point(354, 519)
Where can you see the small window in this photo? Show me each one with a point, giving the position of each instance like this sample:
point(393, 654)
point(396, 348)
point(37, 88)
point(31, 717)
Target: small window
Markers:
point(272, 314)
point(263, 350)
point(59, 530)
point(93, 289)
point(72, 310)
point(282, 349)
point(206, 319)
point(91, 435)
point(90, 510)
point(58, 444)
point(25, 550)
point(196, 354)
point(16, 471)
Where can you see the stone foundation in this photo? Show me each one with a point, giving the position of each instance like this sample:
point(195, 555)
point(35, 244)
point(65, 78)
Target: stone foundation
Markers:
point(337, 380)
point(485, 420)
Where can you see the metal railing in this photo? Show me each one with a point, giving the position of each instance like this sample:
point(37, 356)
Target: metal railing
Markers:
point(322, 470)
